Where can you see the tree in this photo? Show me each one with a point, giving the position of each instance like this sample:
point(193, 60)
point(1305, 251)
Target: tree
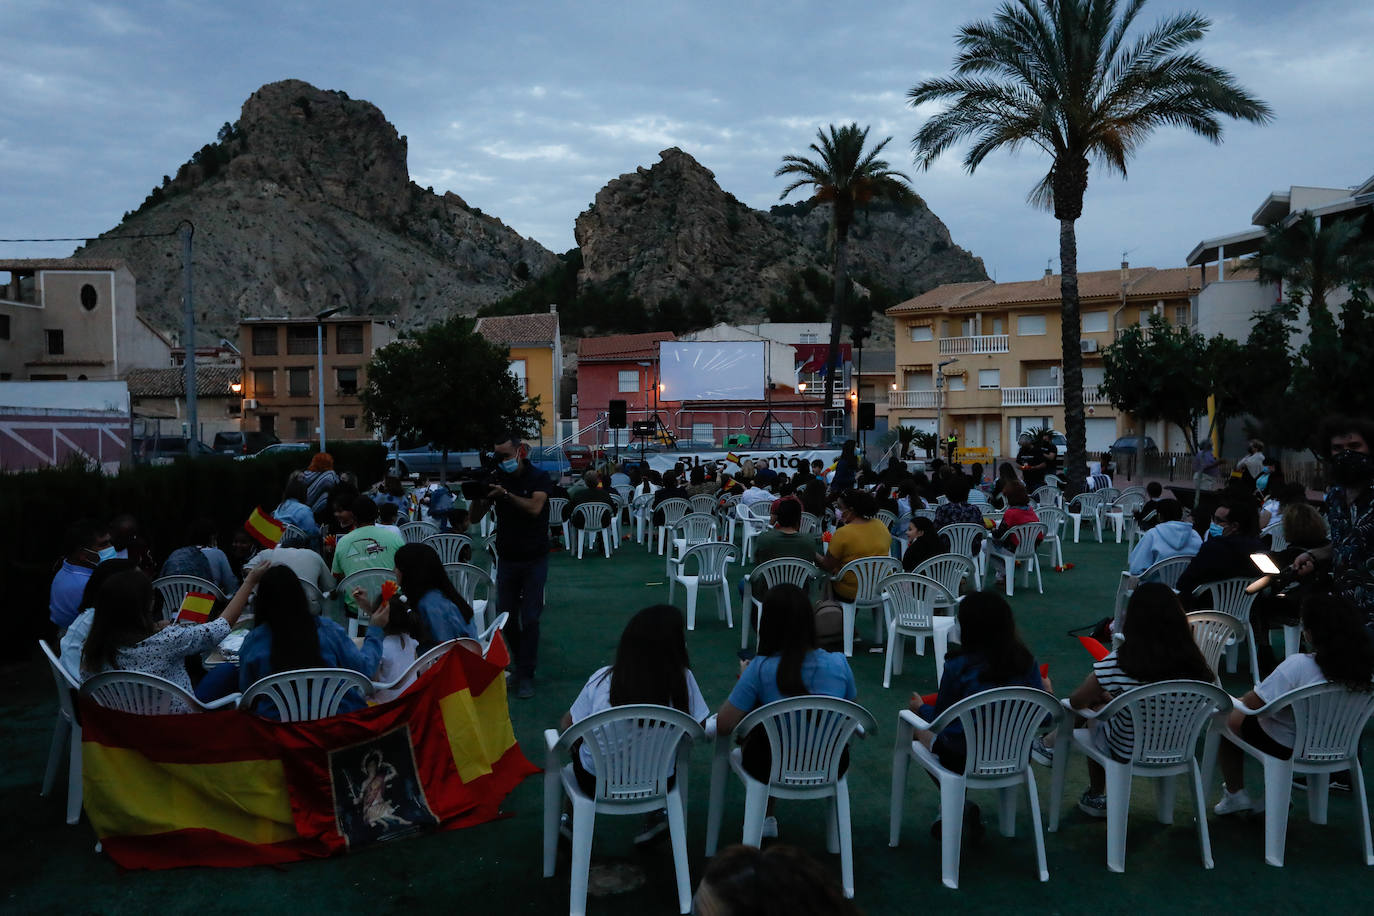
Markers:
point(447, 386)
point(1060, 75)
point(1313, 260)
point(847, 178)
point(1160, 374)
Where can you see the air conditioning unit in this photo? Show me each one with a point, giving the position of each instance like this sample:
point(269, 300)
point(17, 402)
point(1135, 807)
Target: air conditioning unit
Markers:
point(1087, 345)
point(250, 403)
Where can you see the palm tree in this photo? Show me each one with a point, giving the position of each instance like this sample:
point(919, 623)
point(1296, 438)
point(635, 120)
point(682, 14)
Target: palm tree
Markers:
point(1061, 75)
point(846, 177)
point(1313, 260)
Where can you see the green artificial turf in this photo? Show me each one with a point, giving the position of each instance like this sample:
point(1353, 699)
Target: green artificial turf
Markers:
point(48, 866)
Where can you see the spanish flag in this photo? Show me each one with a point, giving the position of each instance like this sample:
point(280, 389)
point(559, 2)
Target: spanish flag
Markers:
point(228, 789)
point(732, 457)
point(263, 528)
point(196, 607)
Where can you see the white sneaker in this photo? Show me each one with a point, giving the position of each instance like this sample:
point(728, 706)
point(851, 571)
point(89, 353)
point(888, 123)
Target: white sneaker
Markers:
point(1233, 802)
point(770, 828)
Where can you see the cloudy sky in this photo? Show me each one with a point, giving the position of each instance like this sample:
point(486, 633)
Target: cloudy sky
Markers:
point(526, 109)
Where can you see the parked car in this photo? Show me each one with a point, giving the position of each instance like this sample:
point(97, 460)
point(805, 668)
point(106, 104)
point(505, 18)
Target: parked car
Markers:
point(278, 448)
point(550, 459)
point(243, 443)
point(163, 449)
point(426, 459)
point(1126, 445)
point(579, 457)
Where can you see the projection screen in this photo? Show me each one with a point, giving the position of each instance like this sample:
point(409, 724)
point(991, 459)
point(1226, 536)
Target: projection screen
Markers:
point(712, 370)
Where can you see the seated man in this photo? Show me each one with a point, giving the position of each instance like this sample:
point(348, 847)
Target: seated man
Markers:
point(86, 544)
point(1147, 516)
point(862, 535)
point(590, 491)
point(763, 474)
point(756, 493)
point(785, 539)
point(1171, 537)
point(1231, 538)
point(367, 546)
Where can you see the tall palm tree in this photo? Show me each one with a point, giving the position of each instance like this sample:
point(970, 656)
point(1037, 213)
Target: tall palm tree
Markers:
point(1313, 260)
point(1061, 75)
point(847, 178)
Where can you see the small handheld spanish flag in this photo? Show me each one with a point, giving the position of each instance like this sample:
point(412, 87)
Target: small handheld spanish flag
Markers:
point(732, 457)
point(1095, 648)
point(196, 607)
point(389, 588)
point(263, 528)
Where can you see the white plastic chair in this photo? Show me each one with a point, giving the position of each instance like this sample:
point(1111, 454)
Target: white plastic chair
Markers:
point(306, 694)
point(1277, 540)
point(621, 504)
point(558, 518)
point(1054, 521)
point(692, 529)
point(1025, 553)
point(635, 750)
point(810, 524)
point(673, 509)
point(1167, 719)
point(754, 520)
point(1229, 597)
point(887, 517)
point(370, 581)
point(66, 734)
point(1329, 719)
point(909, 603)
point(702, 502)
point(449, 546)
point(640, 514)
point(783, 570)
point(467, 579)
point(595, 518)
point(999, 726)
point(1086, 506)
point(807, 737)
point(962, 536)
point(728, 511)
point(415, 532)
point(923, 513)
point(416, 668)
point(174, 590)
point(486, 525)
point(1120, 509)
point(1213, 631)
point(319, 604)
point(488, 635)
point(1048, 497)
point(867, 572)
point(711, 561)
point(145, 694)
point(951, 570)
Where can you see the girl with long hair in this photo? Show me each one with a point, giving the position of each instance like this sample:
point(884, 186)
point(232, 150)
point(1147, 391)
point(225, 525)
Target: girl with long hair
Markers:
point(1158, 647)
point(1341, 652)
point(442, 612)
point(287, 637)
point(126, 635)
point(293, 508)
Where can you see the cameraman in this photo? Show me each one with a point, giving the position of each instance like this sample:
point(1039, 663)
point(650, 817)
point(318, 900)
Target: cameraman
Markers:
point(1349, 512)
point(520, 492)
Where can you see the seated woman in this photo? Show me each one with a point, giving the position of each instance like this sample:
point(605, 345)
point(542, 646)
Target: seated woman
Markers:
point(442, 612)
point(922, 543)
point(125, 635)
point(788, 664)
point(651, 666)
point(1158, 647)
point(293, 510)
point(74, 640)
point(1305, 532)
point(1341, 653)
point(287, 637)
point(1006, 474)
point(1019, 512)
point(991, 655)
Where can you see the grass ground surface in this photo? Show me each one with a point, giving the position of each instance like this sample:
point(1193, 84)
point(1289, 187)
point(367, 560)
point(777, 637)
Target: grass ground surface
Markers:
point(49, 867)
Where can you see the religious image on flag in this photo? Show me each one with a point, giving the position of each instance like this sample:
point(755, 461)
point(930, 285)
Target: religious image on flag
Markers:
point(225, 788)
point(196, 607)
point(263, 528)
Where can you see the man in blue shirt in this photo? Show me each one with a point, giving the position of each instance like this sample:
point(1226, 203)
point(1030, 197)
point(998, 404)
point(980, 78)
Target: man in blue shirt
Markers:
point(86, 545)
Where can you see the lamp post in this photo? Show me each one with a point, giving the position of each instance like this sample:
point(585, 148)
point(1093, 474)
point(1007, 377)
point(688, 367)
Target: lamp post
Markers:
point(940, 400)
point(319, 355)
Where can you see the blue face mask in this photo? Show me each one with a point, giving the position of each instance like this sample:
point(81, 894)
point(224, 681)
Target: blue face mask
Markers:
point(1214, 530)
point(510, 465)
point(109, 553)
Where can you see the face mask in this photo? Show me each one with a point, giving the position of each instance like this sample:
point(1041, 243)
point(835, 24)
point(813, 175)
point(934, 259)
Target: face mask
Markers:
point(510, 465)
point(109, 553)
point(1351, 469)
point(1214, 530)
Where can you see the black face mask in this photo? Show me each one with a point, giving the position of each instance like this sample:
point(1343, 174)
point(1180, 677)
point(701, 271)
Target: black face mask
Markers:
point(1351, 469)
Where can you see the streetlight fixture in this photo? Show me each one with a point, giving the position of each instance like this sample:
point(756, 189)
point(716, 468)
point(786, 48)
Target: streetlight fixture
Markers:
point(319, 355)
point(940, 400)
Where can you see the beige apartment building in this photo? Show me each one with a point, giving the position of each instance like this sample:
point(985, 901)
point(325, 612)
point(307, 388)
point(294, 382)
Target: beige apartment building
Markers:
point(280, 374)
point(985, 358)
point(73, 319)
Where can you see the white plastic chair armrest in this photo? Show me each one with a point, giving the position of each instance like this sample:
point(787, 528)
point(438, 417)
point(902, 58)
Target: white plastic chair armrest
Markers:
point(231, 700)
point(710, 727)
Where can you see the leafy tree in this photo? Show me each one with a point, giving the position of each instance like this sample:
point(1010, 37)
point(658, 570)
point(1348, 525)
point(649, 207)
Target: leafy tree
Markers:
point(846, 177)
point(1061, 75)
point(1313, 260)
point(1159, 374)
point(448, 386)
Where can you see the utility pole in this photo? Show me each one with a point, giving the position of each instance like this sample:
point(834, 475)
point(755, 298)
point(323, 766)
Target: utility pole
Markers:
point(187, 230)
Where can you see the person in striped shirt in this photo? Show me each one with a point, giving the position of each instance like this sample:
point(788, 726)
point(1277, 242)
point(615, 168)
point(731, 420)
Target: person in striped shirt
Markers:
point(1158, 646)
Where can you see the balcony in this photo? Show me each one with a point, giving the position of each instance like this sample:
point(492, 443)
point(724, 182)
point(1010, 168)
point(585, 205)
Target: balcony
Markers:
point(1049, 396)
point(928, 398)
point(966, 346)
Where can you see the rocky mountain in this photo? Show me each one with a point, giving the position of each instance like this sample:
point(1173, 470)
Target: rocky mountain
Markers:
point(670, 231)
point(307, 198)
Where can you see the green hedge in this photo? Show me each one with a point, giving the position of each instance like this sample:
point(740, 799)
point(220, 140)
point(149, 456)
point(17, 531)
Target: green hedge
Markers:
point(36, 507)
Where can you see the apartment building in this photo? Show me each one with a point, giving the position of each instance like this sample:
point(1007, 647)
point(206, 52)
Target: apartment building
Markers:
point(536, 358)
point(280, 374)
point(985, 360)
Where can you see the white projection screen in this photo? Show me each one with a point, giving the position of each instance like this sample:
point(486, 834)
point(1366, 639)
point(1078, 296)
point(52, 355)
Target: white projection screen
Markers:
point(712, 370)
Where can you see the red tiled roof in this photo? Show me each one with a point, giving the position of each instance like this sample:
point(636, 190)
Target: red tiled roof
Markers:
point(622, 346)
point(541, 327)
point(1094, 284)
point(211, 381)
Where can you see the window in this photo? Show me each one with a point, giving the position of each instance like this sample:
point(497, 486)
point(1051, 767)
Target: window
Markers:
point(264, 383)
point(1043, 377)
point(300, 427)
point(517, 371)
point(704, 432)
point(989, 378)
point(810, 337)
point(921, 332)
point(298, 383)
point(1094, 322)
point(1093, 375)
point(300, 341)
point(350, 421)
point(89, 297)
point(264, 341)
point(348, 338)
point(267, 423)
point(1181, 315)
point(955, 382)
point(347, 380)
point(997, 326)
point(627, 380)
point(56, 346)
point(47, 377)
point(4, 327)
point(1030, 325)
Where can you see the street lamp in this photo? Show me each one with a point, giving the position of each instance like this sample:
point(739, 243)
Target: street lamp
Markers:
point(319, 355)
point(940, 400)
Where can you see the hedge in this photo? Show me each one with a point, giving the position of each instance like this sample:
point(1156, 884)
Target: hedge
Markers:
point(36, 507)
